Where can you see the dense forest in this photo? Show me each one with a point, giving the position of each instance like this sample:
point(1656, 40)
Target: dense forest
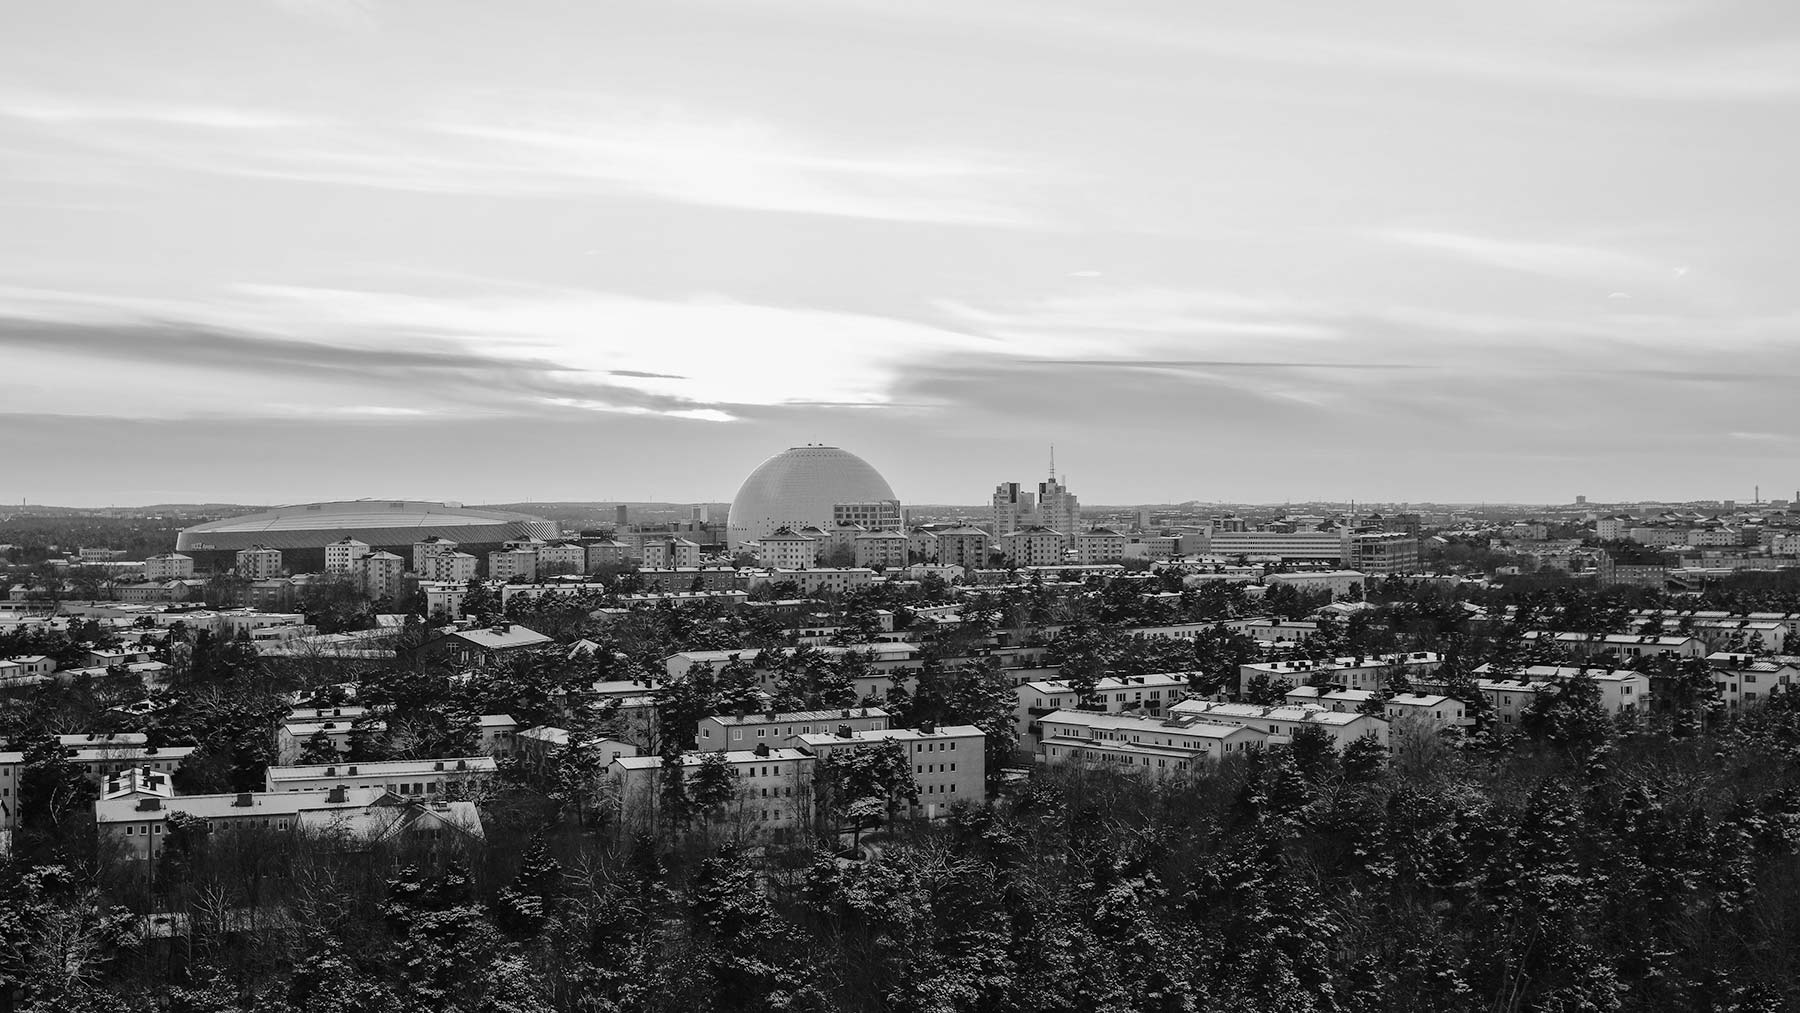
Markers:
point(1580, 863)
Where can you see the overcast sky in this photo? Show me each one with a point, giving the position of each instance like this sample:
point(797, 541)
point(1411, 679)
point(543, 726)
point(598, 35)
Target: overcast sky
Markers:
point(283, 251)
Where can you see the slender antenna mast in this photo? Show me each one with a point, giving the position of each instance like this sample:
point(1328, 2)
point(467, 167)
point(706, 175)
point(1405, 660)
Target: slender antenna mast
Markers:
point(1052, 462)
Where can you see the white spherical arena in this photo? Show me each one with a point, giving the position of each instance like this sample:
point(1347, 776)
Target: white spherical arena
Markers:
point(798, 487)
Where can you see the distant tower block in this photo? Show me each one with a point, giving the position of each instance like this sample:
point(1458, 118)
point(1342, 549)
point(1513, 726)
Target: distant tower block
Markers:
point(623, 517)
point(1581, 501)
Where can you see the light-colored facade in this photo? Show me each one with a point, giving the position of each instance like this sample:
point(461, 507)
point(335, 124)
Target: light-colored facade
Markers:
point(886, 549)
point(341, 555)
point(1141, 695)
point(1013, 508)
point(425, 548)
point(1281, 723)
point(513, 564)
point(773, 789)
point(1746, 681)
point(1149, 747)
point(1367, 672)
point(402, 777)
point(451, 566)
point(966, 547)
point(168, 566)
point(1295, 546)
point(1382, 552)
point(380, 573)
point(561, 557)
point(257, 563)
point(1100, 545)
point(949, 763)
point(787, 549)
point(1337, 583)
point(1430, 710)
point(1057, 507)
point(1033, 546)
point(728, 731)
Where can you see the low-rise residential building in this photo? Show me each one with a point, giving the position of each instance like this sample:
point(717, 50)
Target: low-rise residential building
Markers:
point(1370, 672)
point(401, 777)
point(539, 746)
point(168, 566)
point(1431, 710)
point(1281, 722)
point(1274, 631)
point(949, 763)
point(451, 566)
point(99, 754)
point(1034, 545)
point(498, 735)
point(1151, 747)
point(1745, 680)
point(1148, 695)
point(1338, 583)
point(747, 731)
point(1620, 690)
point(773, 789)
point(1621, 645)
point(787, 549)
point(481, 646)
point(519, 563)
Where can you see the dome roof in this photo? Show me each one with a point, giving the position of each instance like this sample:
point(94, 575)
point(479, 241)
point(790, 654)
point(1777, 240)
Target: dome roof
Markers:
point(798, 488)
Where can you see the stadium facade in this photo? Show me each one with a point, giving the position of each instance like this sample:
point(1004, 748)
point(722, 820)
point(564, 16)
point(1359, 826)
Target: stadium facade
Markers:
point(302, 531)
point(801, 486)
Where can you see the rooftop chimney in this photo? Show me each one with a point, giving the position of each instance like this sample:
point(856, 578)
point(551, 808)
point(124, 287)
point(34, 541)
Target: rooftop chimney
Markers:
point(337, 795)
point(243, 800)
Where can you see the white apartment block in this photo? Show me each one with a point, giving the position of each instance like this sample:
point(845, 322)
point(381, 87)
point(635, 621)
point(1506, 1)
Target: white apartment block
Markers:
point(1151, 747)
point(886, 549)
point(747, 731)
point(1149, 695)
point(257, 563)
point(508, 564)
point(561, 558)
point(451, 566)
point(12, 765)
point(1370, 672)
point(949, 763)
point(1295, 546)
point(1014, 508)
point(966, 547)
point(828, 580)
point(380, 573)
point(101, 754)
point(773, 788)
point(1430, 710)
point(1623, 645)
point(1745, 680)
point(401, 777)
point(787, 549)
point(1620, 690)
point(341, 555)
point(425, 548)
point(1274, 631)
point(1282, 722)
point(1057, 507)
point(1100, 545)
point(1337, 583)
point(1033, 546)
point(168, 566)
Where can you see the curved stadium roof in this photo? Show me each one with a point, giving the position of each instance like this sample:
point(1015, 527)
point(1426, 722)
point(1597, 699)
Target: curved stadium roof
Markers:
point(377, 522)
point(798, 487)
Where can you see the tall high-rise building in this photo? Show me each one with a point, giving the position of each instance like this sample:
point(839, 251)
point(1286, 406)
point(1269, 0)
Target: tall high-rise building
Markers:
point(1014, 508)
point(1057, 507)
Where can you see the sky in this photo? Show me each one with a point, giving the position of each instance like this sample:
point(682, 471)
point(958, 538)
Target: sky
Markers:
point(272, 251)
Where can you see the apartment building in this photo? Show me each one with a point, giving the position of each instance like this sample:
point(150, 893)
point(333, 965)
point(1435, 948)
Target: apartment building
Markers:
point(1374, 672)
point(1034, 545)
point(886, 549)
point(519, 563)
point(1745, 680)
point(1146, 695)
point(401, 777)
point(1337, 583)
point(341, 555)
point(964, 546)
point(949, 763)
point(564, 557)
point(100, 754)
point(1382, 552)
point(1151, 747)
point(257, 563)
point(425, 548)
point(773, 789)
point(787, 549)
point(1099, 545)
point(1620, 690)
point(1430, 710)
point(1280, 723)
point(168, 566)
point(747, 731)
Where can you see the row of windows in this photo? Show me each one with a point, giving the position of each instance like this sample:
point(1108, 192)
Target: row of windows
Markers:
point(929, 768)
point(932, 747)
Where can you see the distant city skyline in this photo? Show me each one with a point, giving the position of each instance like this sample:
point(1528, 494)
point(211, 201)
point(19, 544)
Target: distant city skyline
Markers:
point(294, 250)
